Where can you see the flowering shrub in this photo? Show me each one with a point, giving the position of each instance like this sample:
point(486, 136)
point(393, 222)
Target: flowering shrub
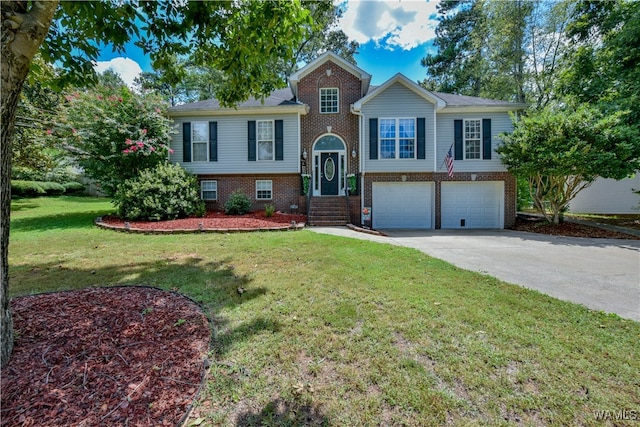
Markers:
point(164, 192)
point(114, 133)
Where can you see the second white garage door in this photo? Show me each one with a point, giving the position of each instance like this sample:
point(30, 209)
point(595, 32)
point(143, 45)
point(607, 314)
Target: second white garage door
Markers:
point(402, 205)
point(473, 204)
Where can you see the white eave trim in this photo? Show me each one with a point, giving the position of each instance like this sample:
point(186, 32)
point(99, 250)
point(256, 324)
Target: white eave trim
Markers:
point(293, 109)
point(409, 84)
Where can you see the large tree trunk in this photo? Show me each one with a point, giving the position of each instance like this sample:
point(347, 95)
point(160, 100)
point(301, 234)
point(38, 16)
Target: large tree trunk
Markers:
point(24, 27)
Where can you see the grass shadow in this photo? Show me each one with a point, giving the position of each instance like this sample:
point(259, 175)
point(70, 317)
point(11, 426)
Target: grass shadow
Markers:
point(63, 221)
point(280, 412)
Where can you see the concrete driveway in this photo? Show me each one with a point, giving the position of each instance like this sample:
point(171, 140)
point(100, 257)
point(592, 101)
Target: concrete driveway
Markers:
point(602, 274)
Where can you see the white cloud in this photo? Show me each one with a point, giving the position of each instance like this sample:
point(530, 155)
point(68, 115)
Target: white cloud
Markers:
point(127, 68)
point(391, 24)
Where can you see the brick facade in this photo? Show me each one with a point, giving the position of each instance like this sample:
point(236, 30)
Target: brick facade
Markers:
point(285, 190)
point(437, 178)
point(344, 123)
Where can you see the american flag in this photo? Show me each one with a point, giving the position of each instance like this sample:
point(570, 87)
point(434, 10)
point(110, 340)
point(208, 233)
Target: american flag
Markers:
point(448, 159)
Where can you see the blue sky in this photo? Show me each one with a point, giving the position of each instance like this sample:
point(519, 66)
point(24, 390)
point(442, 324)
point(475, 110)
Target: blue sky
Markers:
point(393, 37)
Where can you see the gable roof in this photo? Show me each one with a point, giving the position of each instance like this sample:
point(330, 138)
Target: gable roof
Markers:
point(444, 102)
point(409, 84)
point(278, 99)
point(325, 57)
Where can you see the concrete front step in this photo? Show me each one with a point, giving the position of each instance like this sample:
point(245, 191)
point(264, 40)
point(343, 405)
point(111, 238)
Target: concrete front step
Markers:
point(328, 223)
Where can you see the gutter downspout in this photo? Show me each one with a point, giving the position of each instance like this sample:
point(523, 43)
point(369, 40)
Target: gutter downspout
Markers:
point(361, 158)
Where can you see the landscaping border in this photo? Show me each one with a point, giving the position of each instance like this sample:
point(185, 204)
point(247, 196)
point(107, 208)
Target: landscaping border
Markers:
point(98, 222)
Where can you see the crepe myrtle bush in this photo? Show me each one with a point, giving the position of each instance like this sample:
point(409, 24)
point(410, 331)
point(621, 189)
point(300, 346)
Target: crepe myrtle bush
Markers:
point(113, 134)
point(166, 191)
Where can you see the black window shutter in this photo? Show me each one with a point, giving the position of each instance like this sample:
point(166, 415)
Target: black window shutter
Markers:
point(486, 139)
point(186, 142)
point(213, 141)
point(252, 140)
point(457, 139)
point(373, 139)
point(279, 134)
point(421, 140)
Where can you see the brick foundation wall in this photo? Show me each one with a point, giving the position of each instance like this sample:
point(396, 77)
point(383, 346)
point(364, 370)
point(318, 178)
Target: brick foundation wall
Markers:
point(286, 190)
point(344, 123)
point(354, 210)
point(508, 179)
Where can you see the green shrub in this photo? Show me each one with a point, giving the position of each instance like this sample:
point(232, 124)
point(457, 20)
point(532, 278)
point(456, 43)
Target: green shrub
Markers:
point(52, 188)
point(164, 192)
point(238, 204)
point(269, 210)
point(27, 188)
point(74, 187)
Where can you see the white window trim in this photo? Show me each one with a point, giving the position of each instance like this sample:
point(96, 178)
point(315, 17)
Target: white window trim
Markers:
point(202, 190)
point(397, 138)
point(465, 139)
point(270, 189)
point(273, 141)
point(320, 100)
point(193, 141)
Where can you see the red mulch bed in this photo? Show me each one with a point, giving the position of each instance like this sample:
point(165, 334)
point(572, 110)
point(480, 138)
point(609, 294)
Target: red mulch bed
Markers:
point(214, 220)
point(104, 356)
point(569, 229)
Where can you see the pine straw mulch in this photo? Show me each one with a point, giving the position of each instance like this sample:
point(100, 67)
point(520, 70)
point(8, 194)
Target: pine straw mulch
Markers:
point(125, 356)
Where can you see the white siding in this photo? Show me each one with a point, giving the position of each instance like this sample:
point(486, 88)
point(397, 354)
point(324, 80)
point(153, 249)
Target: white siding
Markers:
point(500, 122)
point(232, 146)
point(608, 196)
point(399, 102)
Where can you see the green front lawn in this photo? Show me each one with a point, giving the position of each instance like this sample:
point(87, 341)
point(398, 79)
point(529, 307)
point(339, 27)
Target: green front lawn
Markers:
point(334, 331)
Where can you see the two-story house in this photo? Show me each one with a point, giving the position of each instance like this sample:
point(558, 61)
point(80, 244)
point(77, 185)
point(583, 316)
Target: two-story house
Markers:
point(330, 124)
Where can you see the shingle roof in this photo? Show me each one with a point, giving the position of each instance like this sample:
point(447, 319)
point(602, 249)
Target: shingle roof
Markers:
point(284, 97)
point(464, 100)
point(279, 97)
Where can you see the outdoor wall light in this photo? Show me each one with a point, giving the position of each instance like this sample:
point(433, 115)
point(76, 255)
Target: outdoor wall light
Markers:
point(353, 153)
point(305, 154)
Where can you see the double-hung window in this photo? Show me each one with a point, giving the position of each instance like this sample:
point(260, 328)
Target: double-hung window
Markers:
point(472, 139)
point(329, 100)
point(264, 189)
point(209, 190)
point(397, 138)
point(265, 139)
point(200, 141)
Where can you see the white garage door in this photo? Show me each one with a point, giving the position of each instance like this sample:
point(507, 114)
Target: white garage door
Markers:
point(472, 204)
point(402, 205)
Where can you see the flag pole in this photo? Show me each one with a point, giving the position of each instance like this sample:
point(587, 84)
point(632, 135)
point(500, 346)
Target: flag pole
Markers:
point(443, 160)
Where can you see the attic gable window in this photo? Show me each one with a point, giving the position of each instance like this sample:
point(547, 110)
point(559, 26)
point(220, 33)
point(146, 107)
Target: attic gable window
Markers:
point(329, 100)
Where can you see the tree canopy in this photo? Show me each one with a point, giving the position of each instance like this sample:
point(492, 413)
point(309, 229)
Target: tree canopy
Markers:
point(560, 152)
point(223, 34)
